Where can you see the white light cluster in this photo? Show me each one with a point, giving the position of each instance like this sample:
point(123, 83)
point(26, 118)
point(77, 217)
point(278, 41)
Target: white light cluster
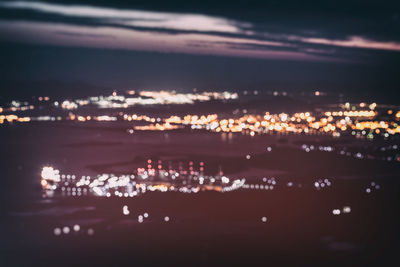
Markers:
point(344, 210)
point(372, 186)
point(322, 184)
point(146, 98)
point(235, 185)
point(50, 174)
point(144, 180)
point(66, 230)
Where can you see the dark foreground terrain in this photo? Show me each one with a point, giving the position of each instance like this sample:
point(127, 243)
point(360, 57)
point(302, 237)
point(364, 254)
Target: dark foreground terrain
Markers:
point(204, 229)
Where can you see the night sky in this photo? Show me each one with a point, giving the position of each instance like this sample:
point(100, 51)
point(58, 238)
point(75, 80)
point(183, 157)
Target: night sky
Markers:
point(71, 47)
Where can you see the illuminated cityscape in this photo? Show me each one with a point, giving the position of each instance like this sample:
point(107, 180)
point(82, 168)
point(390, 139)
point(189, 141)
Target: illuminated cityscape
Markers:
point(270, 154)
point(360, 120)
point(199, 133)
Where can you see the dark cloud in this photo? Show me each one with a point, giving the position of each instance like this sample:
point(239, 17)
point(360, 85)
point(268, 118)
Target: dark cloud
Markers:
point(335, 19)
point(85, 34)
point(307, 28)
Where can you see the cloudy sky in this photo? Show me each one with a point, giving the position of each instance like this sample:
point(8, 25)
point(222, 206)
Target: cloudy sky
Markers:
point(312, 45)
